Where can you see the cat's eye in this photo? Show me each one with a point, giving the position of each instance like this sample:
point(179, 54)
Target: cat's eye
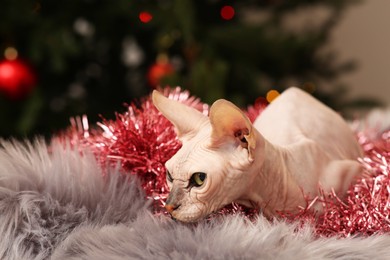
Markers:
point(169, 176)
point(198, 178)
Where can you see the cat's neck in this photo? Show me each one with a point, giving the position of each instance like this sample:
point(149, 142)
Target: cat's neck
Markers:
point(273, 187)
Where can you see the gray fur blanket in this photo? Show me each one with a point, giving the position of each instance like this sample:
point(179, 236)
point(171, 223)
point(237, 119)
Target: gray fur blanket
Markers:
point(56, 203)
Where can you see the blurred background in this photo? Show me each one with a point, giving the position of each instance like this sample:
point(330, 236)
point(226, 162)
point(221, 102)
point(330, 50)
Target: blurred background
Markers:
point(60, 60)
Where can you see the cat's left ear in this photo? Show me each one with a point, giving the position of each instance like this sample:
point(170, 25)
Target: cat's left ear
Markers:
point(229, 123)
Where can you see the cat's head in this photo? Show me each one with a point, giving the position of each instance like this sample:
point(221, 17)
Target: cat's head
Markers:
point(208, 171)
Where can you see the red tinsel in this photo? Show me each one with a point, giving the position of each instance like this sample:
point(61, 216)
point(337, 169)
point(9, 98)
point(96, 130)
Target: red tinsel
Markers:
point(141, 140)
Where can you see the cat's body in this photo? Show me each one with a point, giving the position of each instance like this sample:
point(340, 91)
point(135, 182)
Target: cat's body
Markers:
point(295, 146)
point(309, 138)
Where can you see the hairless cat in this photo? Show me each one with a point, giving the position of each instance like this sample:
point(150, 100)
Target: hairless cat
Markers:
point(295, 148)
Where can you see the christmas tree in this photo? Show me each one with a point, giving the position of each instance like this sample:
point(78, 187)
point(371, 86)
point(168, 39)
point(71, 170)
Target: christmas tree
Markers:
point(90, 57)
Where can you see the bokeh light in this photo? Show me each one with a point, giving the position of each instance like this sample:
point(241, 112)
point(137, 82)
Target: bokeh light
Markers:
point(10, 53)
point(145, 17)
point(227, 12)
point(272, 95)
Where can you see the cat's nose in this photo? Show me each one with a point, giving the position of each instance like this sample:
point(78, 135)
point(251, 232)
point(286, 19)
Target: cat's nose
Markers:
point(171, 207)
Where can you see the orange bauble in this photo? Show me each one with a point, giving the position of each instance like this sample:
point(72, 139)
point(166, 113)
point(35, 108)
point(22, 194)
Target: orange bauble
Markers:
point(158, 71)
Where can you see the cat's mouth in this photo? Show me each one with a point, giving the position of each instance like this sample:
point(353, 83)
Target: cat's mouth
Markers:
point(187, 218)
point(189, 215)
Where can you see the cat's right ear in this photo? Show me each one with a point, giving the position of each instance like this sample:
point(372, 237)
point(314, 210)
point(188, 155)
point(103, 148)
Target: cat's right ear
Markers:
point(187, 120)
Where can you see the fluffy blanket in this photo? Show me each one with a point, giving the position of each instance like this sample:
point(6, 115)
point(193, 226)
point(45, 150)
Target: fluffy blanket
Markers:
point(57, 203)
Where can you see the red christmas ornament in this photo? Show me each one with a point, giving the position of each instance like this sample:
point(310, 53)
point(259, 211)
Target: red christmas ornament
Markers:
point(16, 78)
point(158, 71)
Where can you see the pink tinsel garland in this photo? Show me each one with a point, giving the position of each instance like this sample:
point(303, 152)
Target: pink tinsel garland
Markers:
point(141, 140)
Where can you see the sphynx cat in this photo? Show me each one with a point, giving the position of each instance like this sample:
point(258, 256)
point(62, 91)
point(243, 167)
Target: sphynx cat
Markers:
point(295, 148)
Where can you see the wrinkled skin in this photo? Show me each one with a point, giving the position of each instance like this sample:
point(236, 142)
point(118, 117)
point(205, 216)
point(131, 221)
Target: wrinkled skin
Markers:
point(222, 174)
